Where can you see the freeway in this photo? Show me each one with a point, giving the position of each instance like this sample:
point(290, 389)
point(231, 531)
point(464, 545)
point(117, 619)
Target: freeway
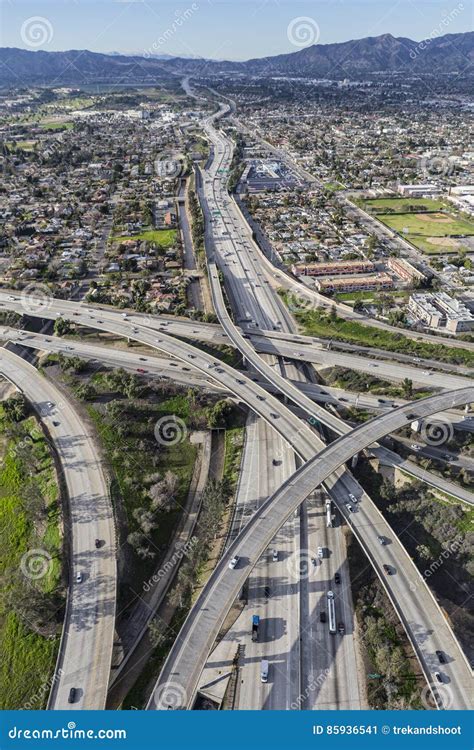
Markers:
point(146, 364)
point(88, 631)
point(421, 616)
point(224, 246)
point(243, 283)
point(386, 370)
point(302, 439)
point(265, 341)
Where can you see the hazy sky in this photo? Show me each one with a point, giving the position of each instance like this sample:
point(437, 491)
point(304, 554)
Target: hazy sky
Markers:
point(230, 29)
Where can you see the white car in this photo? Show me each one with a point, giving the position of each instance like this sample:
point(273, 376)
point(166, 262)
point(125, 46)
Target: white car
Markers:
point(275, 555)
point(79, 578)
point(320, 553)
point(349, 507)
point(353, 498)
point(415, 447)
point(233, 563)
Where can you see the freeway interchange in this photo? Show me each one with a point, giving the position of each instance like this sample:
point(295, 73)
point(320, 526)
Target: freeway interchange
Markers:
point(308, 455)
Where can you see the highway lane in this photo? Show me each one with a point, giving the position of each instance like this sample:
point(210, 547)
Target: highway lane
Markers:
point(381, 369)
point(226, 241)
point(88, 629)
point(110, 354)
point(422, 618)
point(296, 432)
point(273, 586)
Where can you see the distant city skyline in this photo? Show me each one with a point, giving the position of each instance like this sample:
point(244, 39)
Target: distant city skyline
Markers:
point(219, 29)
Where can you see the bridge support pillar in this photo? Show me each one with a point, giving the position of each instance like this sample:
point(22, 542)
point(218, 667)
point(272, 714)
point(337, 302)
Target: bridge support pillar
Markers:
point(354, 461)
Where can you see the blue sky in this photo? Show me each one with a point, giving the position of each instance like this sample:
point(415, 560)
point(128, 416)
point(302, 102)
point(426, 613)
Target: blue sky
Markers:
point(230, 29)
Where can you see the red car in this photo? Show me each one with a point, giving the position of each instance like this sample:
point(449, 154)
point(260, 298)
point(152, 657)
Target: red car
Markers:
point(140, 369)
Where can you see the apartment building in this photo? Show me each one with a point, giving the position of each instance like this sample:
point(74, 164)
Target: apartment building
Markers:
point(335, 268)
point(438, 310)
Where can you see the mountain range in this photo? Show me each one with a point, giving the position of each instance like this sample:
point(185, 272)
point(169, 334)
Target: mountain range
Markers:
point(385, 54)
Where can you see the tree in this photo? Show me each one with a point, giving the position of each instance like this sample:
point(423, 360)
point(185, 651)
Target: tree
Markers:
point(157, 632)
point(15, 407)
point(407, 387)
point(62, 327)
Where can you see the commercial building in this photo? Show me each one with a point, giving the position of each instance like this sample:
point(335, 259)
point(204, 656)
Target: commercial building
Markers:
point(355, 283)
point(419, 191)
point(440, 311)
point(336, 268)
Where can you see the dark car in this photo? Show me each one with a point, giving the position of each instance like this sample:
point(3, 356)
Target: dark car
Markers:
point(337, 577)
point(341, 628)
point(388, 570)
point(72, 695)
point(322, 616)
point(441, 657)
point(98, 543)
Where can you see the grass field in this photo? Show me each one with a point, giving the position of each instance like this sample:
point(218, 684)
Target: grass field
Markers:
point(427, 225)
point(28, 658)
point(163, 237)
point(400, 204)
point(57, 125)
point(430, 226)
